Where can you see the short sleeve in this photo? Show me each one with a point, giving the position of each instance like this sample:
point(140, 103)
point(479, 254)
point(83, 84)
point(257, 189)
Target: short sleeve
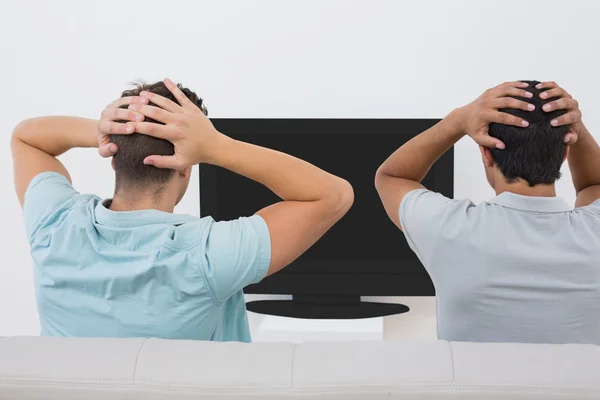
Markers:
point(421, 217)
point(238, 253)
point(45, 196)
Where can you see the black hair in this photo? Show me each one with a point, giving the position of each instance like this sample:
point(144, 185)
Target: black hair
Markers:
point(534, 153)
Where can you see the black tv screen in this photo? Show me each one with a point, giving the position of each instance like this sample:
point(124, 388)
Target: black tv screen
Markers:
point(364, 253)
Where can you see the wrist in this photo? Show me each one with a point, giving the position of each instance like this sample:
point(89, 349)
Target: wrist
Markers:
point(219, 149)
point(579, 128)
point(93, 140)
point(454, 123)
point(90, 138)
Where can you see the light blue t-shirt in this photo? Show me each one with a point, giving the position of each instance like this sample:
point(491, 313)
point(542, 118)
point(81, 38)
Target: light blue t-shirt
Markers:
point(514, 269)
point(100, 273)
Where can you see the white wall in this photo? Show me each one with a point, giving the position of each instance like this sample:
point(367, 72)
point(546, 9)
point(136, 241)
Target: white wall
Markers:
point(311, 58)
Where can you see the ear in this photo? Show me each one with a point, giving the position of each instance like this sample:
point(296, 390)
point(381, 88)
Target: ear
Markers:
point(566, 153)
point(486, 155)
point(185, 173)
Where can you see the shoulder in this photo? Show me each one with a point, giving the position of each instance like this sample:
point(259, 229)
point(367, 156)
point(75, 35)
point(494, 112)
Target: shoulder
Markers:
point(49, 198)
point(206, 233)
point(587, 216)
point(190, 233)
point(433, 200)
point(425, 204)
point(593, 210)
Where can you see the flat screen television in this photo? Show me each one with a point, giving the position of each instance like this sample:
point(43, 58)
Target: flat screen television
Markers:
point(364, 254)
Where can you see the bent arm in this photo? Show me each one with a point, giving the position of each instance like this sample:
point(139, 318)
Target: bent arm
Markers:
point(584, 163)
point(313, 200)
point(37, 142)
point(404, 170)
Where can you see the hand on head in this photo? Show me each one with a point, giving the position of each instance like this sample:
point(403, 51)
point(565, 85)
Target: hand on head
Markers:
point(185, 125)
point(193, 135)
point(564, 102)
point(476, 117)
point(108, 124)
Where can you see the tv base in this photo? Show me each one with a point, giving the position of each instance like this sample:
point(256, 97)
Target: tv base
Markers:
point(325, 307)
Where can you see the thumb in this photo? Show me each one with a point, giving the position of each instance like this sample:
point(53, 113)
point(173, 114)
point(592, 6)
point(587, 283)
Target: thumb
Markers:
point(571, 138)
point(169, 162)
point(107, 150)
point(491, 142)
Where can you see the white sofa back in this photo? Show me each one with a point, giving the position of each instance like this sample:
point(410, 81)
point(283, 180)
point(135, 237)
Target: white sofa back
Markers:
point(135, 369)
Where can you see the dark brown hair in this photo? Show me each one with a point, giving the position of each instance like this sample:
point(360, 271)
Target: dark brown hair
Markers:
point(130, 170)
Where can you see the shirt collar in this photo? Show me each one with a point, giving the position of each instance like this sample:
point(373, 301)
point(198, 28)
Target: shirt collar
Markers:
point(531, 203)
point(130, 219)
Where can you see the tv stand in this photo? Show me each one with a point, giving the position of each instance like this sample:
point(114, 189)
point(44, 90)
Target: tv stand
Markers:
point(325, 307)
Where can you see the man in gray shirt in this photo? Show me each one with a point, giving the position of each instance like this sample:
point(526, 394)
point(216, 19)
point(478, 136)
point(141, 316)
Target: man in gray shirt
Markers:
point(524, 266)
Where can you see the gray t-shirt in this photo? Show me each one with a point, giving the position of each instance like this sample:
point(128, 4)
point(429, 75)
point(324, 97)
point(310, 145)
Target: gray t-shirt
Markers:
point(514, 269)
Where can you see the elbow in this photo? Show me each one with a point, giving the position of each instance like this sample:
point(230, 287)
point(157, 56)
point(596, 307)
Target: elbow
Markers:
point(20, 131)
point(342, 198)
point(21, 127)
point(379, 179)
point(346, 196)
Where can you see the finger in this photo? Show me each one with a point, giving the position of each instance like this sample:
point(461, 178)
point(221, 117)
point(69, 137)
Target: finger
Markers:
point(153, 129)
point(490, 142)
point(107, 150)
point(108, 127)
point(561, 104)
point(512, 89)
point(507, 119)
point(125, 101)
point(122, 114)
point(517, 84)
point(170, 162)
point(566, 119)
point(546, 85)
point(509, 102)
point(181, 98)
point(156, 113)
point(571, 138)
point(161, 101)
point(556, 92)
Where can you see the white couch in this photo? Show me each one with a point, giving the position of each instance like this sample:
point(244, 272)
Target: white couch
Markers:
point(132, 369)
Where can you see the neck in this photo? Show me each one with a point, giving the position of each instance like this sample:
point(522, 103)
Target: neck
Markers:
point(522, 188)
point(123, 201)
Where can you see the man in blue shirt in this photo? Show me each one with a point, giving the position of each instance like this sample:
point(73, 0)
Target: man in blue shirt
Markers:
point(523, 266)
point(129, 267)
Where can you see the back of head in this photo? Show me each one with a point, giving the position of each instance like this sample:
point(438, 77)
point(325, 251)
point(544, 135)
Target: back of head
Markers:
point(534, 153)
point(130, 170)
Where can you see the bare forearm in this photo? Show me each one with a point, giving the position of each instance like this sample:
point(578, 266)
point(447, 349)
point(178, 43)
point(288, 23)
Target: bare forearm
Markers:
point(584, 161)
point(414, 159)
point(37, 142)
point(288, 177)
point(55, 135)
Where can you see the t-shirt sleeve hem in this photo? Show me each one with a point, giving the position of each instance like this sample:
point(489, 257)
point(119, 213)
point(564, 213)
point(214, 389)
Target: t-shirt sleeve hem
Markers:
point(264, 251)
